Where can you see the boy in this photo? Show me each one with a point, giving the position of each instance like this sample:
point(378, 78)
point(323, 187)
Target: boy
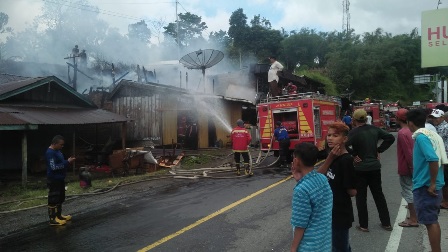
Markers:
point(341, 175)
point(311, 203)
point(428, 159)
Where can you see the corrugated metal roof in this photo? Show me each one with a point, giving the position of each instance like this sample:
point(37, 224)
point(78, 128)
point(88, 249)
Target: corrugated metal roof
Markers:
point(10, 119)
point(14, 88)
point(5, 78)
point(13, 85)
point(149, 85)
point(57, 116)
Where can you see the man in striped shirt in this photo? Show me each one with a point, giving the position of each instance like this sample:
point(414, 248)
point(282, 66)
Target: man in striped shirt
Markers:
point(312, 203)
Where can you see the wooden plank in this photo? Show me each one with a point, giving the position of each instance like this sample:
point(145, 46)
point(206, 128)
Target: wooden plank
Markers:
point(24, 159)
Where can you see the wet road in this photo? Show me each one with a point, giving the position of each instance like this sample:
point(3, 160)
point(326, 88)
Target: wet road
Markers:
point(260, 223)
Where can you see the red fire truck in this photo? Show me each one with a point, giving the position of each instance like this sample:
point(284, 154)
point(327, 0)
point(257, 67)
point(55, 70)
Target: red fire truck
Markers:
point(375, 110)
point(306, 116)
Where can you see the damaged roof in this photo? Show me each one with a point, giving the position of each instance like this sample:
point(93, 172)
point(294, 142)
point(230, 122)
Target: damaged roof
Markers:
point(150, 86)
point(5, 78)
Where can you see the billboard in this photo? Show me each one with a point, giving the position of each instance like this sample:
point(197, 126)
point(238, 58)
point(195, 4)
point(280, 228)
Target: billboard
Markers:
point(435, 38)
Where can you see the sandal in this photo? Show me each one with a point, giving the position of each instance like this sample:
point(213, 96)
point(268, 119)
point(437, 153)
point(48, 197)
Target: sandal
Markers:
point(362, 229)
point(407, 224)
point(387, 228)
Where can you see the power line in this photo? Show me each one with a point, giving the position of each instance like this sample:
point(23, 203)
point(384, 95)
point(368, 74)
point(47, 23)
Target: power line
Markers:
point(97, 10)
point(145, 3)
point(182, 7)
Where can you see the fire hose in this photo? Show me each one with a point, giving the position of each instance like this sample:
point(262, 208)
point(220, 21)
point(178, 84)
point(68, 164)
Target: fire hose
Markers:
point(206, 172)
point(174, 173)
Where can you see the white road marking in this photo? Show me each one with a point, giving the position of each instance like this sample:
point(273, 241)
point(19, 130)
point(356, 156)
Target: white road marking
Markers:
point(395, 236)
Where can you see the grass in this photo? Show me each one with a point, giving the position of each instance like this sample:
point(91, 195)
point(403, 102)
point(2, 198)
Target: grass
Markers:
point(36, 191)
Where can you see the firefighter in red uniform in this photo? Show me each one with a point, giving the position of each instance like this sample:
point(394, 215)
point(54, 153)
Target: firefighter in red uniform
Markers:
point(240, 141)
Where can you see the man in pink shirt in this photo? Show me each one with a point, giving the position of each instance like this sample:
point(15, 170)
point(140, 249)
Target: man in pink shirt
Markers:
point(405, 145)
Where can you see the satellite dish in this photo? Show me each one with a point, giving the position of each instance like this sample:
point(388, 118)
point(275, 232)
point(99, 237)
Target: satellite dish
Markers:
point(202, 59)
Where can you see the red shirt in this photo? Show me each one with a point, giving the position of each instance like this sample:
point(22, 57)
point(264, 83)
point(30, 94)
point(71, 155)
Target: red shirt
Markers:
point(240, 139)
point(405, 145)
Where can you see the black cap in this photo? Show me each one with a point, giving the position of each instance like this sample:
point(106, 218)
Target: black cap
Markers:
point(278, 123)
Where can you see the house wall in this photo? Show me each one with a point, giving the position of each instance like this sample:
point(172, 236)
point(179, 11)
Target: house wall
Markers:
point(169, 107)
point(156, 115)
point(144, 110)
point(229, 112)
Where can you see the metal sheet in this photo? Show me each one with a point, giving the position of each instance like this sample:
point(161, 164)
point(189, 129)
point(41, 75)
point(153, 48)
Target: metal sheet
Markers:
point(14, 85)
point(57, 116)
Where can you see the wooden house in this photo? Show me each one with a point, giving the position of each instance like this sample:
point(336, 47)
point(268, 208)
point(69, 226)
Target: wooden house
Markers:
point(33, 110)
point(165, 114)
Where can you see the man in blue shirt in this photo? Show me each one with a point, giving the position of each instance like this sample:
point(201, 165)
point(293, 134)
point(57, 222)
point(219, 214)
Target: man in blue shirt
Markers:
point(347, 119)
point(428, 158)
point(312, 202)
point(281, 135)
point(56, 171)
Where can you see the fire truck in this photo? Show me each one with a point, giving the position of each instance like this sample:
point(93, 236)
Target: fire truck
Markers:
point(306, 116)
point(375, 110)
point(432, 105)
point(391, 110)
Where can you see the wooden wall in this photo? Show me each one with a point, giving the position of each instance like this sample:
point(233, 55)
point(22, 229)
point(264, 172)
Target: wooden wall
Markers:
point(144, 110)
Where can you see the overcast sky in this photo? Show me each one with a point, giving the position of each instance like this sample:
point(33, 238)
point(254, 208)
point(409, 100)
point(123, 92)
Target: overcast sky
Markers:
point(394, 16)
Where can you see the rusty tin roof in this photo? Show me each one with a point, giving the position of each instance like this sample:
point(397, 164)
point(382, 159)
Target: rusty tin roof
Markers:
point(57, 116)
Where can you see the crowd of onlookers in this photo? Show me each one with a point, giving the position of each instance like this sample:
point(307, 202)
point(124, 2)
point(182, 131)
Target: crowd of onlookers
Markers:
point(322, 212)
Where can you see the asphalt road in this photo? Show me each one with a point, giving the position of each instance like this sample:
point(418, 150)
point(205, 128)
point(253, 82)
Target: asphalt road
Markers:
point(140, 219)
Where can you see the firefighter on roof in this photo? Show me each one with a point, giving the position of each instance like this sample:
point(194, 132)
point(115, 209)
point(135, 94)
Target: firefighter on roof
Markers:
point(281, 135)
point(240, 141)
point(291, 88)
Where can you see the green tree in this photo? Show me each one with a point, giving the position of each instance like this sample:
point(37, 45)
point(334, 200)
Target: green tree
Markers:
point(139, 31)
point(191, 26)
point(238, 29)
point(220, 38)
point(4, 18)
point(304, 47)
point(258, 39)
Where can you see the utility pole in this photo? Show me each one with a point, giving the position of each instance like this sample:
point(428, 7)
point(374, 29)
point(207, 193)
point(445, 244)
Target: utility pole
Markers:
point(75, 70)
point(177, 32)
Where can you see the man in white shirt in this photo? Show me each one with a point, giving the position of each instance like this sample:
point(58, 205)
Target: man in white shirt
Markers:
point(369, 119)
point(273, 77)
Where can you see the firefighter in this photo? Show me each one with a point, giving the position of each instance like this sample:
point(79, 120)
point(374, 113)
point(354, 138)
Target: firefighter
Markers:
point(75, 51)
point(291, 88)
point(83, 58)
point(281, 135)
point(192, 135)
point(240, 140)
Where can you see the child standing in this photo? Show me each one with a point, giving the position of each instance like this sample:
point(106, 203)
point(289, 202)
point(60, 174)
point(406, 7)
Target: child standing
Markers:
point(341, 176)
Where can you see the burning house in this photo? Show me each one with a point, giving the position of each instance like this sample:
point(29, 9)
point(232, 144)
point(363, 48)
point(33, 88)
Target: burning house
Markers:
point(169, 115)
